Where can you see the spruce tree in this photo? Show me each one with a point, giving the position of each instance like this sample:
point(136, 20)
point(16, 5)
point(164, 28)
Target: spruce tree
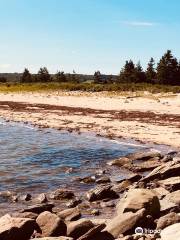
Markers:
point(43, 75)
point(26, 76)
point(150, 71)
point(167, 69)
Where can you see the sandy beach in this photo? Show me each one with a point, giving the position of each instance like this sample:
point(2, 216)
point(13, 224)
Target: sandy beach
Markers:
point(149, 118)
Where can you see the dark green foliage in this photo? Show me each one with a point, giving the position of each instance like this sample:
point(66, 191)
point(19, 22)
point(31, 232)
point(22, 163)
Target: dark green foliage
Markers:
point(3, 80)
point(60, 77)
point(150, 71)
point(43, 75)
point(168, 70)
point(26, 76)
point(97, 77)
point(132, 73)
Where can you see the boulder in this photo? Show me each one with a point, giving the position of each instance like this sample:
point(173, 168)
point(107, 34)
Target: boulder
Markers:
point(125, 223)
point(61, 193)
point(101, 192)
point(78, 228)
point(41, 198)
point(168, 219)
point(70, 214)
point(138, 156)
point(91, 234)
point(73, 203)
point(16, 228)
point(169, 169)
point(173, 197)
point(25, 215)
point(39, 208)
point(136, 199)
point(104, 179)
point(121, 187)
point(172, 183)
point(160, 192)
point(167, 206)
point(171, 232)
point(51, 225)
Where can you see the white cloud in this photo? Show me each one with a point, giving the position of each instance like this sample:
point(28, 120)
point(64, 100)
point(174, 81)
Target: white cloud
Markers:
point(139, 23)
point(5, 65)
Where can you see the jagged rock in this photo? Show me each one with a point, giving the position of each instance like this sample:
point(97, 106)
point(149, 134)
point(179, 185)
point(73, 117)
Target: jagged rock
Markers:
point(25, 215)
point(78, 228)
point(121, 187)
point(124, 223)
point(16, 228)
point(136, 199)
point(167, 220)
point(171, 232)
point(172, 183)
point(88, 179)
point(39, 208)
point(51, 225)
point(103, 179)
point(41, 198)
point(169, 169)
point(173, 197)
point(61, 193)
point(160, 192)
point(91, 234)
point(167, 206)
point(138, 156)
point(25, 197)
point(70, 214)
point(101, 192)
point(73, 203)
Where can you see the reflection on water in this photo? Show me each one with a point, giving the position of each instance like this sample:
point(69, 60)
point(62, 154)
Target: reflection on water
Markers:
point(37, 160)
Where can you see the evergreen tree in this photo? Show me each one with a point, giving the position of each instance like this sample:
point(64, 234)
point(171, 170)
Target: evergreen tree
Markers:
point(168, 69)
point(150, 71)
point(97, 77)
point(26, 76)
point(60, 77)
point(43, 75)
point(127, 72)
point(139, 74)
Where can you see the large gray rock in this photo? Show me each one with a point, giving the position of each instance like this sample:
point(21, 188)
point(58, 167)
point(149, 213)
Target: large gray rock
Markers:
point(167, 220)
point(171, 232)
point(101, 192)
point(136, 199)
point(78, 228)
point(51, 225)
point(124, 223)
point(16, 228)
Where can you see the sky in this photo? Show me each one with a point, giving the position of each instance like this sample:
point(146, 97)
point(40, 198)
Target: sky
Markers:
point(86, 35)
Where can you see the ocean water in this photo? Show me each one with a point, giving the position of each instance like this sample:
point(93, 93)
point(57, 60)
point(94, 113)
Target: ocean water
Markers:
point(38, 160)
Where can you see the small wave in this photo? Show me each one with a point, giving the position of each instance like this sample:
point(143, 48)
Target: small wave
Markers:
point(128, 144)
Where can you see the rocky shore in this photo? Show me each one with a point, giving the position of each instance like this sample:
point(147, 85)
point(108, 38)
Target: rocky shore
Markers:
point(144, 205)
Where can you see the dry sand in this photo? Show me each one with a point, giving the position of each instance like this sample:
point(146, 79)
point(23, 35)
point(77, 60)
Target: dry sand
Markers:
point(151, 118)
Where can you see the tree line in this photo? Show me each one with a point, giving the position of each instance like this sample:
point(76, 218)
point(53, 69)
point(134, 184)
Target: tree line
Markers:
point(166, 72)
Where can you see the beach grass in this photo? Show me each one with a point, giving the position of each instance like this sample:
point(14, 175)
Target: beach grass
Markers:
point(88, 87)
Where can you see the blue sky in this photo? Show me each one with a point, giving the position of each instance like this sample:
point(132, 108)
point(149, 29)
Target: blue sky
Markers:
point(86, 35)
